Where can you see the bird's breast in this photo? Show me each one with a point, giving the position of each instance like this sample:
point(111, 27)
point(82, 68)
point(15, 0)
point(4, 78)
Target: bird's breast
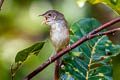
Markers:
point(59, 35)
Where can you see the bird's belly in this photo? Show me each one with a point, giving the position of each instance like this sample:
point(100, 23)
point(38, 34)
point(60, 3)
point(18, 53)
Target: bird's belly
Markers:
point(59, 38)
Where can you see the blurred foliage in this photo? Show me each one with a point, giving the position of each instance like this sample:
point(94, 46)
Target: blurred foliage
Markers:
point(92, 59)
point(81, 2)
point(116, 67)
point(114, 4)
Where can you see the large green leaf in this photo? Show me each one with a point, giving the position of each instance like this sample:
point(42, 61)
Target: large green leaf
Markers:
point(23, 55)
point(90, 60)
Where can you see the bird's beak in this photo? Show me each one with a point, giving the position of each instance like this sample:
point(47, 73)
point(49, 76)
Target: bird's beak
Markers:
point(45, 21)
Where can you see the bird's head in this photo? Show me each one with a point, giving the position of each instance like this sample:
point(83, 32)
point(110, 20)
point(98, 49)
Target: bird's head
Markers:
point(52, 16)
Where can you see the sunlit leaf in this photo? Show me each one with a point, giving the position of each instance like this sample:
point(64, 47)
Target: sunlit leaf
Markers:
point(92, 59)
point(81, 2)
point(114, 4)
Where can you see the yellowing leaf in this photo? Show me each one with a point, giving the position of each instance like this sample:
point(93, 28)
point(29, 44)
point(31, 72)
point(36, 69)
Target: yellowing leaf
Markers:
point(114, 4)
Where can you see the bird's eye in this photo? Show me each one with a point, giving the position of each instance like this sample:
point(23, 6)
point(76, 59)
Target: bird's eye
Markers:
point(49, 14)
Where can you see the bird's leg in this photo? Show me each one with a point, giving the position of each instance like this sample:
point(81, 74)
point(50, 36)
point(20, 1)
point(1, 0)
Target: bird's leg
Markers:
point(53, 53)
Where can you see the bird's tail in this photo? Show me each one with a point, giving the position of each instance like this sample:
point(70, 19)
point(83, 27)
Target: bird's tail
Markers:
point(57, 69)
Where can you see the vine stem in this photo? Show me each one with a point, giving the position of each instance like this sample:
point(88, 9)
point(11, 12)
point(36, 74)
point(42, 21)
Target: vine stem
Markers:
point(91, 35)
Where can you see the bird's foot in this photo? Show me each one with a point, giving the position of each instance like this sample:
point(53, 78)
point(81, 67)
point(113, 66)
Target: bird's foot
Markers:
point(89, 36)
point(68, 46)
point(50, 59)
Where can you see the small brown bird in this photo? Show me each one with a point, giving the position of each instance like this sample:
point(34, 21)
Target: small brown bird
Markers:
point(59, 34)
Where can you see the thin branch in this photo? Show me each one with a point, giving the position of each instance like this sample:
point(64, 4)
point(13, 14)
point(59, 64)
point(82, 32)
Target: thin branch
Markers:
point(105, 33)
point(1, 3)
point(85, 38)
point(105, 25)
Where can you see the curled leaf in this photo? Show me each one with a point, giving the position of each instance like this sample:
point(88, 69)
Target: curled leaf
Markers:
point(23, 55)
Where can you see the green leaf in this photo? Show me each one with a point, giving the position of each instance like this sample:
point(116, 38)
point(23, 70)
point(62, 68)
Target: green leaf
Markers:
point(23, 55)
point(92, 59)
